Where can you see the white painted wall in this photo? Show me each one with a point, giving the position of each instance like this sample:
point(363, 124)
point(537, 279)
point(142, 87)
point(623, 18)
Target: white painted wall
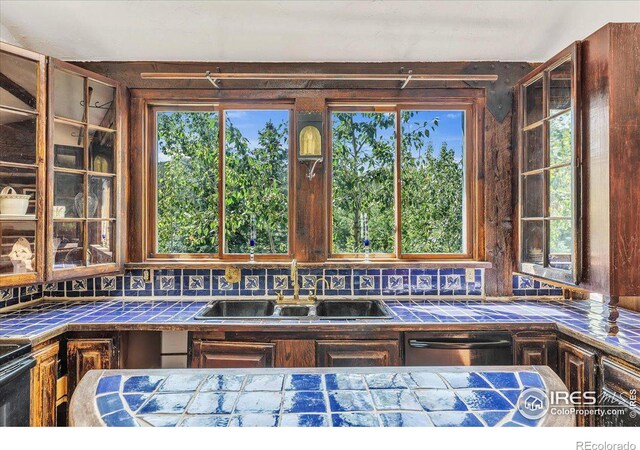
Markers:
point(307, 30)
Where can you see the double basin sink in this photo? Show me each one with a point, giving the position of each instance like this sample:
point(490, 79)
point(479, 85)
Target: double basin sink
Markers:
point(269, 309)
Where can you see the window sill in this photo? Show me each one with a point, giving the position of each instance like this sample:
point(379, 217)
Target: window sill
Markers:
point(331, 263)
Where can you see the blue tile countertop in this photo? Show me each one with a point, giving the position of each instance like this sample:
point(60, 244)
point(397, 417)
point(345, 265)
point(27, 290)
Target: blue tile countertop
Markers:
point(585, 320)
point(391, 397)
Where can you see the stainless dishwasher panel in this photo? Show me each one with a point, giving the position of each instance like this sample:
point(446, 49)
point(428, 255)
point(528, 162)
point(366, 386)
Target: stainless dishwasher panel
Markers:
point(458, 349)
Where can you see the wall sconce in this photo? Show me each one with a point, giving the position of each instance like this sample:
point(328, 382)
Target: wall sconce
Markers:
point(310, 139)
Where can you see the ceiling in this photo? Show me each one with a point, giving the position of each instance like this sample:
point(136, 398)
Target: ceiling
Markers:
point(306, 31)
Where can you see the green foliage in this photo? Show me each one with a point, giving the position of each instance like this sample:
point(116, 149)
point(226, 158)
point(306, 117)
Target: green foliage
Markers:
point(187, 217)
point(560, 186)
point(363, 146)
point(363, 181)
point(256, 183)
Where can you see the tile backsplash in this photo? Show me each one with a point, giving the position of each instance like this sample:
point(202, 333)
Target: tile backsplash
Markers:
point(414, 282)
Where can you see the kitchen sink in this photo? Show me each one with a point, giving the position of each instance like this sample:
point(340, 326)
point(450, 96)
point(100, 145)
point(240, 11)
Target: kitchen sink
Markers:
point(268, 309)
point(238, 309)
point(351, 309)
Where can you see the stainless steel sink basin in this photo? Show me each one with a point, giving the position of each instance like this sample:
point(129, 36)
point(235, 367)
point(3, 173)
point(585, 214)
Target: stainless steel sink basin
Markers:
point(238, 309)
point(350, 309)
point(268, 309)
point(294, 311)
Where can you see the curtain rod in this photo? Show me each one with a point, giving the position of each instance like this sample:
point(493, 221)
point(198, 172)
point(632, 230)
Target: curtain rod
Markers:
point(405, 78)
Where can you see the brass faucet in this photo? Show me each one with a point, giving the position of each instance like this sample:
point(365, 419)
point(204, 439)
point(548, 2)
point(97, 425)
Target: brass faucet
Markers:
point(295, 300)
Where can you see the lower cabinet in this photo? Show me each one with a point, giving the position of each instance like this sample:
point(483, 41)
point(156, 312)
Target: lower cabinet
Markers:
point(214, 354)
point(358, 353)
point(44, 379)
point(84, 355)
point(620, 384)
point(536, 350)
point(577, 369)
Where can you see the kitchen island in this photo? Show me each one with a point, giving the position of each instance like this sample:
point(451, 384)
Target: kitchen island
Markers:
point(375, 396)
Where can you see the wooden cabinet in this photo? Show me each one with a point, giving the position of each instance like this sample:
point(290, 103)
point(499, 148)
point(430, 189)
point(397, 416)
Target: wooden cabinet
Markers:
point(536, 350)
point(86, 135)
point(215, 354)
point(87, 354)
point(22, 165)
point(358, 353)
point(44, 378)
point(577, 369)
point(620, 384)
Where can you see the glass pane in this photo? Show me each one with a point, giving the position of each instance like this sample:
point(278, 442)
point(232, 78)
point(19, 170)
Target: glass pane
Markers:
point(187, 182)
point(101, 248)
point(364, 148)
point(532, 241)
point(68, 244)
point(560, 244)
point(68, 146)
point(257, 180)
point(560, 87)
point(17, 247)
point(68, 96)
point(20, 86)
point(532, 192)
point(533, 149)
point(101, 197)
point(560, 192)
point(101, 151)
point(533, 102)
point(560, 140)
point(17, 137)
point(68, 195)
point(432, 169)
point(102, 105)
point(23, 182)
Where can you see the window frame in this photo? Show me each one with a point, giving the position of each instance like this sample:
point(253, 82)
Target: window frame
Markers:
point(219, 107)
point(472, 219)
point(573, 276)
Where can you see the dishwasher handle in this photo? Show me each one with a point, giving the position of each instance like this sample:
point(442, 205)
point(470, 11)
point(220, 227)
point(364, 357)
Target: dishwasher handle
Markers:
point(461, 345)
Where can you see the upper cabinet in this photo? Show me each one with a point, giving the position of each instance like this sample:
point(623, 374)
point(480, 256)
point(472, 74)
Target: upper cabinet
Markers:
point(22, 165)
point(84, 173)
point(549, 169)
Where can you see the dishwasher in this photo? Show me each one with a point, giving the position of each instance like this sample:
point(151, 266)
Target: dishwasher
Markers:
point(15, 384)
point(458, 349)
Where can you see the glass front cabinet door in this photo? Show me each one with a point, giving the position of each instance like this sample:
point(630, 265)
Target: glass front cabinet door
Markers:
point(22, 165)
point(549, 169)
point(84, 173)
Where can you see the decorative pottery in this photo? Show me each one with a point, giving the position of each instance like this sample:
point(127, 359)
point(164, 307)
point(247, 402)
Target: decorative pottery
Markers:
point(21, 256)
point(78, 203)
point(12, 203)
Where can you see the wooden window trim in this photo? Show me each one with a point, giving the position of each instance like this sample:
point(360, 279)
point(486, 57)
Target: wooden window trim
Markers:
point(150, 180)
point(473, 220)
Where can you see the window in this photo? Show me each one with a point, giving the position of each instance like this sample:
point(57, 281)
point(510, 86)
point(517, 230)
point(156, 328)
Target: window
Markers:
point(549, 180)
point(213, 182)
point(412, 190)
point(256, 180)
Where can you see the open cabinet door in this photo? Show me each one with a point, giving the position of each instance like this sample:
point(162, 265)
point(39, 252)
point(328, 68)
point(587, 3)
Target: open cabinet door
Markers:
point(549, 162)
point(86, 151)
point(22, 165)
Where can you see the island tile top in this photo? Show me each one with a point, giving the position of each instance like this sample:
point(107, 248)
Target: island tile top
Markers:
point(392, 397)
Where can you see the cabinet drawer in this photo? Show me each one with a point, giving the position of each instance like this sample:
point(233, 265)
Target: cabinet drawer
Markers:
point(358, 353)
point(213, 354)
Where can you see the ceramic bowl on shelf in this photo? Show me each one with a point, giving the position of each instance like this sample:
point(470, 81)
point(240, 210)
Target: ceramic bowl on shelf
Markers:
point(12, 203)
